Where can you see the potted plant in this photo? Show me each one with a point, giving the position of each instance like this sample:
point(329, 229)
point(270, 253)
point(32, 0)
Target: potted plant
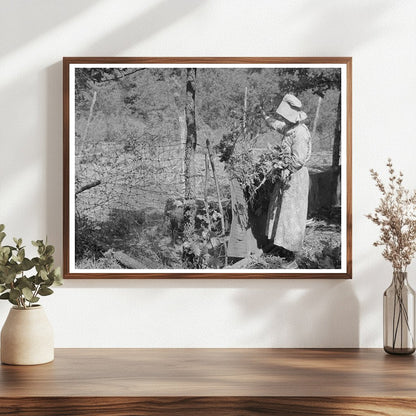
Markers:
point(27, 336)
point(396, 217)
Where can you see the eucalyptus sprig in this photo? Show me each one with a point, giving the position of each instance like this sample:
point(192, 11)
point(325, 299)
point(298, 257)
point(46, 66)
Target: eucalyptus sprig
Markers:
point(15, 285)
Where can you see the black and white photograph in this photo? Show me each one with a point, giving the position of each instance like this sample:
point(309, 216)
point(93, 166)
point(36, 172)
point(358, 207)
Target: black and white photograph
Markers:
point(207, 168)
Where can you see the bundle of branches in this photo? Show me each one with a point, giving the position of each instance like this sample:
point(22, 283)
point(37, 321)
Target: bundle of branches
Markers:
point(237, 154)
point(253, 174)
point(271, 165)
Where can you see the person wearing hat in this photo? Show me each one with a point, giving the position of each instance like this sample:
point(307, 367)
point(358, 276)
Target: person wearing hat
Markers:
point(288, 207)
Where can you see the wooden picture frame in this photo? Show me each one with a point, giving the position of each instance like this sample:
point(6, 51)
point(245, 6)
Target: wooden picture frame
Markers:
point(108, 139)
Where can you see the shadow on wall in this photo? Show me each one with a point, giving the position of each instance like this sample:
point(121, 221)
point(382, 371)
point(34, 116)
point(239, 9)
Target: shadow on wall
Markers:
point(54, 146)
point(375, 276)
point(352, 24)
point(158, 17)
point(308, 313)
point(153, 20)
point(301, 313)
point(41, 16)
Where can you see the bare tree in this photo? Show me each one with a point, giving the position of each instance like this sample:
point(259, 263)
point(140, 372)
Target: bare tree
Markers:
point(190, 148)
point(336, 178)
point(94, 98)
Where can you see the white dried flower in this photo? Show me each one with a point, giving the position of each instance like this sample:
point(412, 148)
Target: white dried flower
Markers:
point(396, 217)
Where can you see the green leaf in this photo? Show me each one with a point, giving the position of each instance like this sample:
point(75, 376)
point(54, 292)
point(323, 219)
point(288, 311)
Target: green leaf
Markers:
point(2, 236)
point(38, 280)
point(15, 294)
point(11, 248)
point(57, 273)
point(45, 260)
point(4, 255)
point(43, 274)
point(5, 250)
point(57, 276)
point(13, 302)
point(9, 277)
point(13, 268)
point(26, 264)
point(2, 227)
point(17, 241)
point(24, 282)
point(37, 243)
point(21, 255)
point(49, 250)
point(7, 296)
point(27, 293)
point(45, 291)
point(2, 288)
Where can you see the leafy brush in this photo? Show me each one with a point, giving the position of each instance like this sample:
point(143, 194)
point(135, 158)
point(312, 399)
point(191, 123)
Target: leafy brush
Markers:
point(396, 217)
point(252, 175)
point(15, 285)
point(271, 164)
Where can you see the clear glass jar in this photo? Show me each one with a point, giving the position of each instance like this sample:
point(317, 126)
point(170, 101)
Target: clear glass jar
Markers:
point(399, 316)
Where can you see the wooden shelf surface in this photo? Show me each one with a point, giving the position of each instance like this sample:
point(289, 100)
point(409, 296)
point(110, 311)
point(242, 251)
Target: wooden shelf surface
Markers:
point(231, 381)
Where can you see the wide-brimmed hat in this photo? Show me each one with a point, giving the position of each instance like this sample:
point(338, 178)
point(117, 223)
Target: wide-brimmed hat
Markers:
point(290, 109)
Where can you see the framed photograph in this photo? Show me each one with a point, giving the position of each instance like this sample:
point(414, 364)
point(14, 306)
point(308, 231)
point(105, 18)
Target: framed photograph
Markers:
point(207, 168)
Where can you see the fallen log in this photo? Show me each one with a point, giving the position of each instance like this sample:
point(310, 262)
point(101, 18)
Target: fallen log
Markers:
point(129, 262)
point(126, 261)
point(88, 186)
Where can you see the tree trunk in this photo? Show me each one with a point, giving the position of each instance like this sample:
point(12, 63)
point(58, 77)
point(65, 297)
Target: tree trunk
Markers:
point(94, 98)
point(337, 137)
point(182, 127)
point(206, 203)
point(190, 148)
point(245, 114)
point(182, 133)
point(336, 168)
point(315, 121)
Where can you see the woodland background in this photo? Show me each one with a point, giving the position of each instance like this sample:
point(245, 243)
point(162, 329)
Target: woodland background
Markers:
point(132, 131)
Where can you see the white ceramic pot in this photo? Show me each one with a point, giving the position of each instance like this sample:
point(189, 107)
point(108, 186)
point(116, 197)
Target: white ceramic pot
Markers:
point(27, 337)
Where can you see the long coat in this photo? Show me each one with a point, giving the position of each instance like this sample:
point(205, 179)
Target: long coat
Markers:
point(242, 241)
point(288, 208)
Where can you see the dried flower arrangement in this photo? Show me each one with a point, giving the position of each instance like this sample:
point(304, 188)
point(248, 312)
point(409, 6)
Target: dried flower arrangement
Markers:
point(396, 217)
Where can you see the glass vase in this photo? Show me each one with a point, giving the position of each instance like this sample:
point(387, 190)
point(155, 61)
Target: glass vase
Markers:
point(399, 316)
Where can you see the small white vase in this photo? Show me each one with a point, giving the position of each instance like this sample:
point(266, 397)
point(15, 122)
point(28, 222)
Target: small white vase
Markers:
point(27, 337)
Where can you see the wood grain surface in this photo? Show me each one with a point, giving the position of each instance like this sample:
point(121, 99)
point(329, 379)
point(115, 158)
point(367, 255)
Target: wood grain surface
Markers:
point(208, 406)
point(212, 381)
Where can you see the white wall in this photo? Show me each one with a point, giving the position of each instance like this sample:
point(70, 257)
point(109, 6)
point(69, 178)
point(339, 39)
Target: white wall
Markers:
point(380, 35)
